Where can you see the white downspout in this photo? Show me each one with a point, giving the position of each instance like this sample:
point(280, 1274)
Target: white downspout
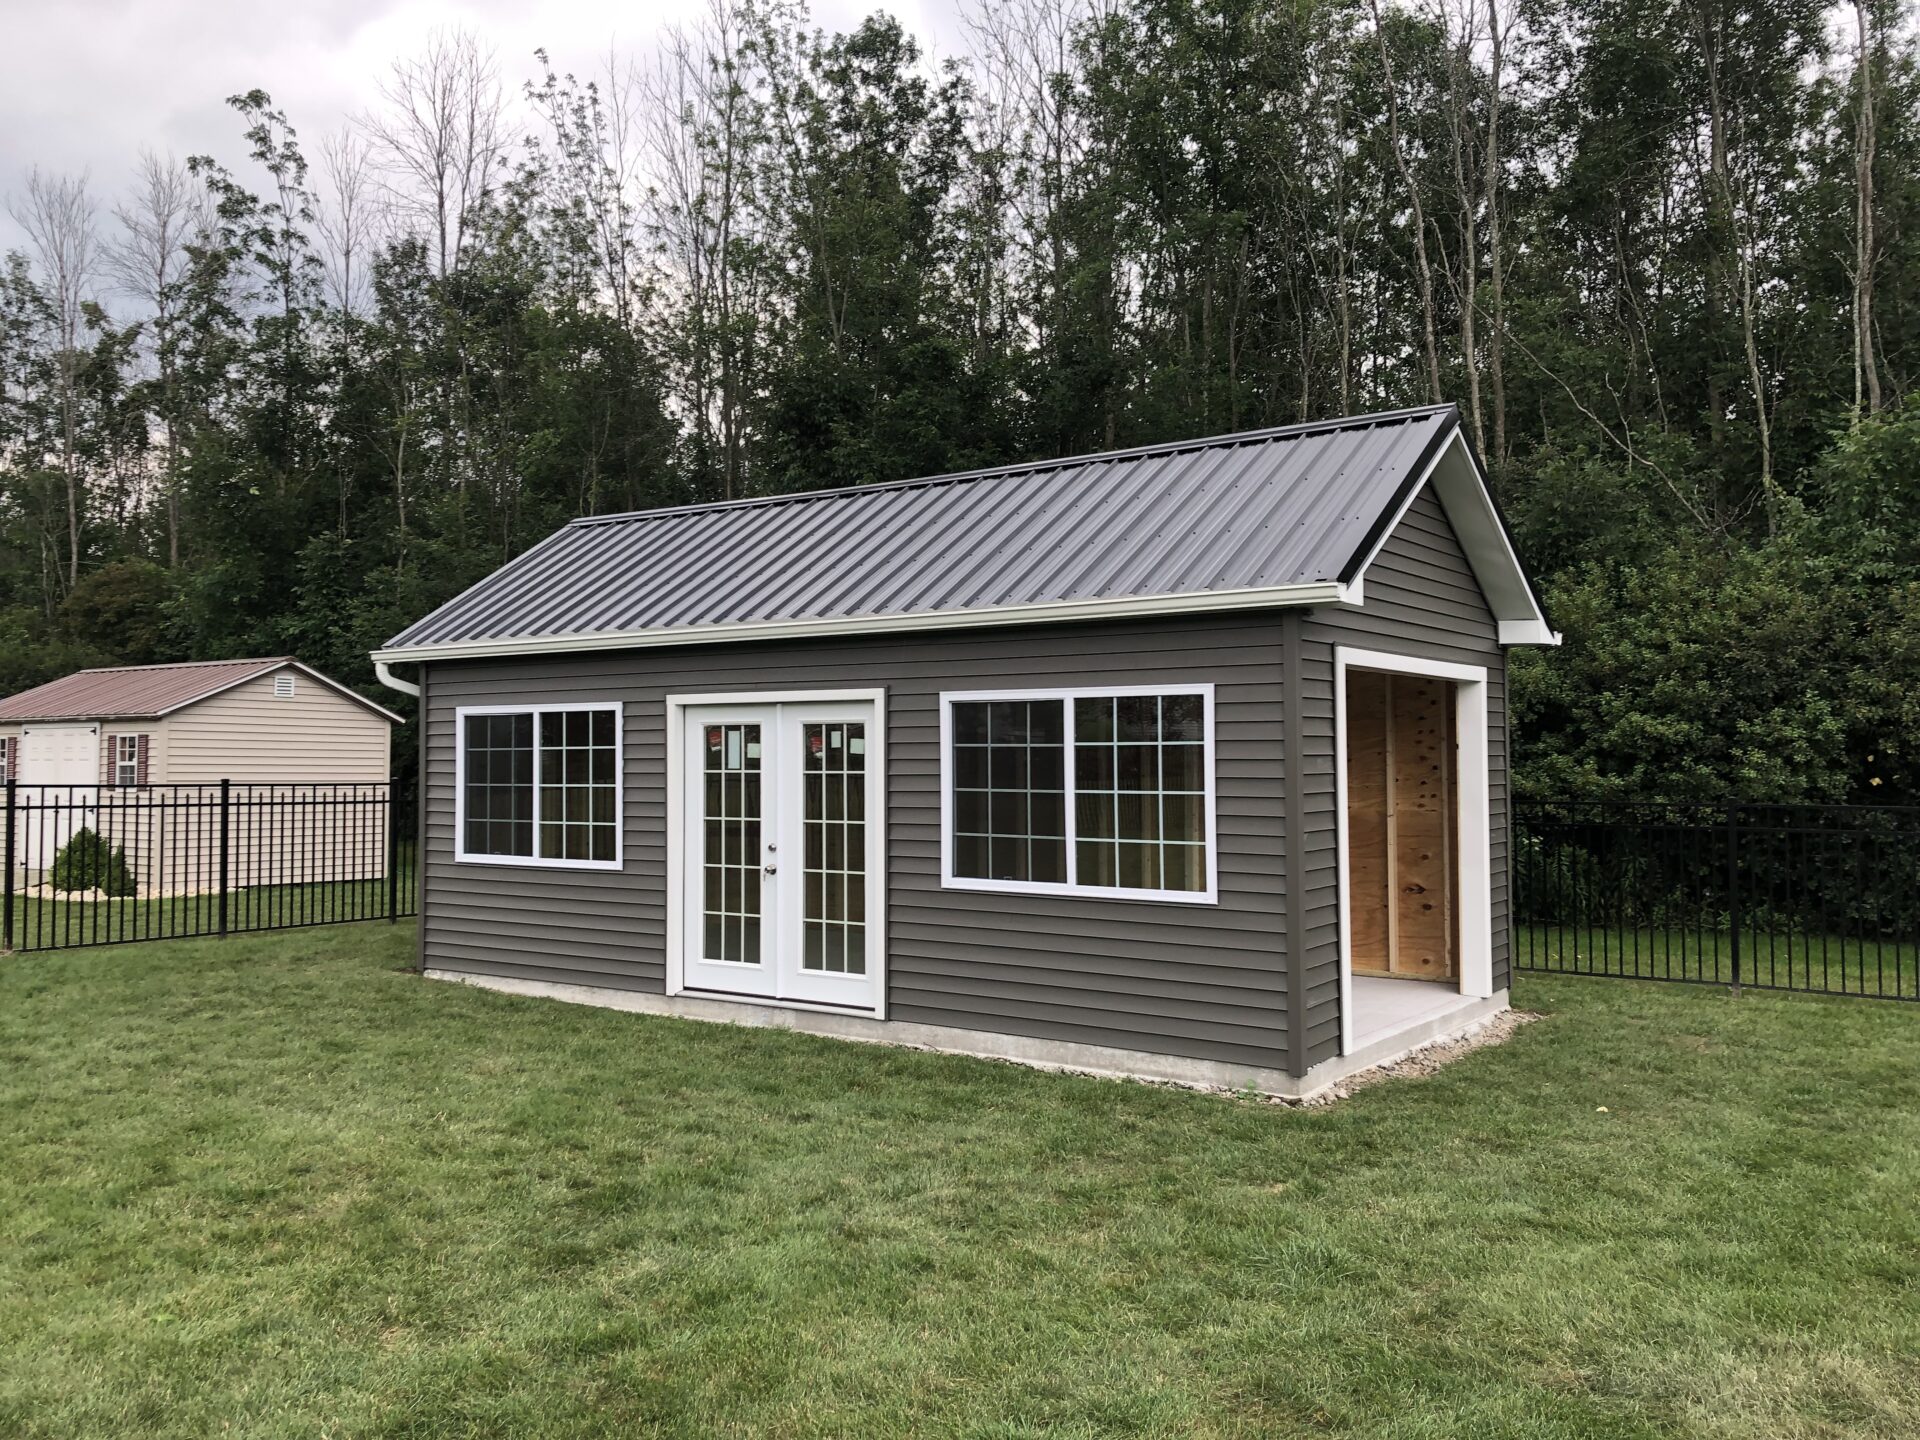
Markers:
point(393, 682)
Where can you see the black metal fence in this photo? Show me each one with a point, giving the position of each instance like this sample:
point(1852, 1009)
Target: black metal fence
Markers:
point(1778, 897)
point(104, 865)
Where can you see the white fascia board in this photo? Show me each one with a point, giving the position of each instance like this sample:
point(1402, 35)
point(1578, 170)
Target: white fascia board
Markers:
point(1527, 632)
point(1326, 592)
point(1463, 492)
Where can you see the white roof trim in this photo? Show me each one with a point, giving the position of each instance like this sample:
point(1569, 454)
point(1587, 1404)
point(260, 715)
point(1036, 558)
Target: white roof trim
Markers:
point(1119, 608)
point(1461, 486)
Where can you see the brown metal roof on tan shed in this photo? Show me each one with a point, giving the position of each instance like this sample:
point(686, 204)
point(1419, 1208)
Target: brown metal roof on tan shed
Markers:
point(149, 691)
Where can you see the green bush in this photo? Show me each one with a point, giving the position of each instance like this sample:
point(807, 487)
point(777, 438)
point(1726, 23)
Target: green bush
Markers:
point(89, 862)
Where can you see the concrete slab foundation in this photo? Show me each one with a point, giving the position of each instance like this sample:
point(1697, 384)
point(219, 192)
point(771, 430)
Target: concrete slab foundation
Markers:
point(1023, 1050)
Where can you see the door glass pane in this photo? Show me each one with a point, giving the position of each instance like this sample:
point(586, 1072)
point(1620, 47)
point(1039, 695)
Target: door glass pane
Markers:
point(731, 785)
point(834, 809)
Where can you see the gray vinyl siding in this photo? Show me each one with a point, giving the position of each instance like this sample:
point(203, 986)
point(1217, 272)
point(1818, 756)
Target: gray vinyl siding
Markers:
point(1205, 981)
point(1421, 599)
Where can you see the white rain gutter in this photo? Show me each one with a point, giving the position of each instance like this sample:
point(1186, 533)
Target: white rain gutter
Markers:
point(1129, 607)
point(392, 681)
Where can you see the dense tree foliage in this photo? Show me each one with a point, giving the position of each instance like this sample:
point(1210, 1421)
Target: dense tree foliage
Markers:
point(1665, 257)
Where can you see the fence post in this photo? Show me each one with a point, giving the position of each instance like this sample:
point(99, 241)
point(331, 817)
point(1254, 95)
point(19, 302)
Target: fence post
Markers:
point(1733, 888)
point(6, 875)
point(393, 850)
point(226, 813)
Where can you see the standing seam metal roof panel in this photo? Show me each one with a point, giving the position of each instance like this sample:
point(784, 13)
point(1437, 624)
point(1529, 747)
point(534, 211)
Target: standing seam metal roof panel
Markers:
point(1255, 510)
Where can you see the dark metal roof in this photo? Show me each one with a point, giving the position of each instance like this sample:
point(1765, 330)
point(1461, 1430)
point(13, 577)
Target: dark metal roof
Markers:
point(1263, 509)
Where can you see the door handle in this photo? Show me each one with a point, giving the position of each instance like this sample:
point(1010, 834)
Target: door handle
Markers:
point(771, 869)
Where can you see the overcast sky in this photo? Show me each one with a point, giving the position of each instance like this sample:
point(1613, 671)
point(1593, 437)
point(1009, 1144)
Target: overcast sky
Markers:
point(91, 82)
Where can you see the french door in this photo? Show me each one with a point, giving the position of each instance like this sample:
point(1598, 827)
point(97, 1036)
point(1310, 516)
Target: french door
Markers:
point(782, 860)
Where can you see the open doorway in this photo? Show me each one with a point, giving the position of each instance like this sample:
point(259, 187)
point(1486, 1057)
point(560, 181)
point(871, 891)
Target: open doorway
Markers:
point(1415, 833)
point(1403, 798)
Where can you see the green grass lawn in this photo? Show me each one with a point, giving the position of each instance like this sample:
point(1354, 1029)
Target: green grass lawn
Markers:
point(273, 1186)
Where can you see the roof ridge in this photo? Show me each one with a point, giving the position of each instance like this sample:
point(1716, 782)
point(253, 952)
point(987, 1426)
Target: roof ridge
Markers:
point(1029, 467)
point(183, 665)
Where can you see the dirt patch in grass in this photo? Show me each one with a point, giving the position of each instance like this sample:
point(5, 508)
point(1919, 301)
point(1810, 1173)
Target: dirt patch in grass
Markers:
point(1428, 1058)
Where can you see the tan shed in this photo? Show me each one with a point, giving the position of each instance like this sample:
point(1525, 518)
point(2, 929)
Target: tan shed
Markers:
point(140, 752)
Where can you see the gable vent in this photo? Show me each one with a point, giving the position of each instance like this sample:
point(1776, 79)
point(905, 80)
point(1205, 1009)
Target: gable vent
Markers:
point(283, 687)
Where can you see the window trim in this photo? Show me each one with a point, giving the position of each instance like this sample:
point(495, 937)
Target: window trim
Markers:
point(1067, 694)
point(118, 765)
point(462, 856)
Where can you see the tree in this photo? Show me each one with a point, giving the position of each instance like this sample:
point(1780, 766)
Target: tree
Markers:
point(148, 261)
point(58, 216)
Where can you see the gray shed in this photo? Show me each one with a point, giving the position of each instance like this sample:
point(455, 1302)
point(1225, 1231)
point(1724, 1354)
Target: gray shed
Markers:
point(1187, 761)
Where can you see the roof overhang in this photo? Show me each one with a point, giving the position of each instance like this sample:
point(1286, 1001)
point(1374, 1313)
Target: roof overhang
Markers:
point(307, 670)
point(1461, 486)
point(1119, 608)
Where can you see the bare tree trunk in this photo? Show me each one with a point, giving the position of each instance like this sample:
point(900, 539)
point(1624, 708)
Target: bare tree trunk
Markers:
point(1866, 371)
point(1720, 224)
point(441, 141)
point(347, 216)
point(440, 138)
point(58, 216)
point(1728, 234)
point(1496, 262)
point(1466, 288)
point(698, 129)
point(1419, 208)
point(1762, 417)
point(148, 262)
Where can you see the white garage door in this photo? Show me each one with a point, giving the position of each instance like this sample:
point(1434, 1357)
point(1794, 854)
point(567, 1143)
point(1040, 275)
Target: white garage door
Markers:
point(59, 755)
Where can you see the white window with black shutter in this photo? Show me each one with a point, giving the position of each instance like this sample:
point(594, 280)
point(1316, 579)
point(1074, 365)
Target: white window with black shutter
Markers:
point(126, 761)
point(538, 785)
point(1101, 792)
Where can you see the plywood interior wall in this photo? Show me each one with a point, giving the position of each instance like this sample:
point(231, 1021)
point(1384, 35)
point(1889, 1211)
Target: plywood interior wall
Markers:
point(1402, 795)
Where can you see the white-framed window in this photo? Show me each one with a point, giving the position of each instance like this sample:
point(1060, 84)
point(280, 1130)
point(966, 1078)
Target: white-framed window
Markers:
point(126, 761)
point(6, 757)
point(538, 785)
point(1105, 791)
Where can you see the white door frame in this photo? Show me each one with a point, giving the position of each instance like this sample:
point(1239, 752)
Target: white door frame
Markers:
point(1473, 821)
point(677, 707)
